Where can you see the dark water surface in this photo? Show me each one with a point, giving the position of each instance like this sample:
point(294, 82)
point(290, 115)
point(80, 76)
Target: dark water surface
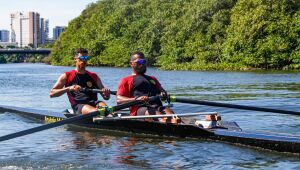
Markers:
point(69, 147)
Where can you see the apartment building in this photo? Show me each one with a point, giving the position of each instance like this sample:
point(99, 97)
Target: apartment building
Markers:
point(27, 29)
point(4, 35)
point(57, 31)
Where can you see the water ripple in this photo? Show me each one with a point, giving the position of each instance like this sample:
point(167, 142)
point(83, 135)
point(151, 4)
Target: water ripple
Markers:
point(71, 147)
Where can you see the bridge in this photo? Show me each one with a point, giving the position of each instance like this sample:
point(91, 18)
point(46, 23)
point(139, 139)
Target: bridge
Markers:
point(25, 51)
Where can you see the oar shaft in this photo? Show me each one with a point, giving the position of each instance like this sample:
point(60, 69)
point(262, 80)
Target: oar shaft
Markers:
point(235, 106)
point(70, 120)
point(48, 126)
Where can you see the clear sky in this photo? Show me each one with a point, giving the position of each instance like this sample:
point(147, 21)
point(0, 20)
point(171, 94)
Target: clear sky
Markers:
point(59, 12)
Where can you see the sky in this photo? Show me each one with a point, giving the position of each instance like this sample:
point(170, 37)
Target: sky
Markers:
point(59, 12)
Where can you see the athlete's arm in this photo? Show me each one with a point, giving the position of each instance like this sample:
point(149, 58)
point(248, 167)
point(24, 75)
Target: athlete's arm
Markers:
point(162, 89)
point(58, 89)
point(164, 94)
point(124, 92)
point(124, 99)
point(105, 91)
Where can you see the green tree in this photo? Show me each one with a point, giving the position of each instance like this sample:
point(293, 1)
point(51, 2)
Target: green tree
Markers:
point(2, 60)
point(186, 34)
point(259, 34)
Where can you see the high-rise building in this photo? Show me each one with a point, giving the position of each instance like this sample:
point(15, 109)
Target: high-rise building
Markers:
point(47, 29)
point(44, 30)
point(34, 17)
point(26, 29)
point(57, 31)
point(4, 35)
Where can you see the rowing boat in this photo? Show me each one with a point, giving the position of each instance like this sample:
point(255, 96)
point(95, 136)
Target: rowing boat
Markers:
point(224, 131)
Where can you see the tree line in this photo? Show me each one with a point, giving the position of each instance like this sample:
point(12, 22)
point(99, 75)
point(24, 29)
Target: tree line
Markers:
point(187, 34)
point(29, 58)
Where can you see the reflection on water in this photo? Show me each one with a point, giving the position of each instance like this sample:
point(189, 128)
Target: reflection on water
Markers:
point(127, 148)
point(71, 147)
point(84, 140)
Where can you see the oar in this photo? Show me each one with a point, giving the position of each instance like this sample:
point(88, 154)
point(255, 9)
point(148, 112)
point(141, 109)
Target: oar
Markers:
point(97, 91)
point(208, 103)
point(235, 106)
point(73, 119)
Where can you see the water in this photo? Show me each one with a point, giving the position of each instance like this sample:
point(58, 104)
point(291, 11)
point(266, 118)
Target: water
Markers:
point(67, 147)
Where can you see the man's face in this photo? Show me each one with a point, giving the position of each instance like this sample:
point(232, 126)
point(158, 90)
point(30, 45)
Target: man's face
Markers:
point(139, 65)
point(81, 60)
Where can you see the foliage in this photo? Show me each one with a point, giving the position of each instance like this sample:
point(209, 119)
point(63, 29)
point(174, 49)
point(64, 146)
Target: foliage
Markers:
point(187, 34)
point(262, 33)
point(30, 45)
point(16, 58)
point(2, 60)
point(47, 45)
point(10, 46)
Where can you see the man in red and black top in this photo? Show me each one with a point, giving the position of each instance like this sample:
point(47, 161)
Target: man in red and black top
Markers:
point(139, 86)
point(72, 83)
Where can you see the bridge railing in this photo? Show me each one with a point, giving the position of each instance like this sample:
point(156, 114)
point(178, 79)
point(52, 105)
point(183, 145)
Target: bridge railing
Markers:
point(25, 51)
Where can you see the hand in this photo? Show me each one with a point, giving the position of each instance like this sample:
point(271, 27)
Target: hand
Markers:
point(165, 96)
point(75, 88)
point(143, 98)
point(105, 93)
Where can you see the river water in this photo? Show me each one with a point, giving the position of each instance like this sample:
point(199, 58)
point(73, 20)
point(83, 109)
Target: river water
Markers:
point(69, 147)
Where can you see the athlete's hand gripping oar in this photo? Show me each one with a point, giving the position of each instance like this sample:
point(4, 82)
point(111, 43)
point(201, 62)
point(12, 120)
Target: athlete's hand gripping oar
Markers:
point(235, 106)
point(102, 111)
point(97, 91)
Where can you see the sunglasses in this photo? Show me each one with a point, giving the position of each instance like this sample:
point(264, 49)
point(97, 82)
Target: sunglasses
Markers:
point(83, 58)
point(141, 61)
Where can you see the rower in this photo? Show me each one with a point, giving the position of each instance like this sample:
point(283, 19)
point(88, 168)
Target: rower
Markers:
point(73, 82)
point(139, 86)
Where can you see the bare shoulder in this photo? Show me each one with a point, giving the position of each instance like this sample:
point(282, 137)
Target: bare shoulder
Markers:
point(61, 80)
point(63, 76)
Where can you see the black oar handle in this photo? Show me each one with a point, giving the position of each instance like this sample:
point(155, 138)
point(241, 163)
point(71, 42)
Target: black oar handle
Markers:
point(96, 91)
point(70, 120)
point(235, 106)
